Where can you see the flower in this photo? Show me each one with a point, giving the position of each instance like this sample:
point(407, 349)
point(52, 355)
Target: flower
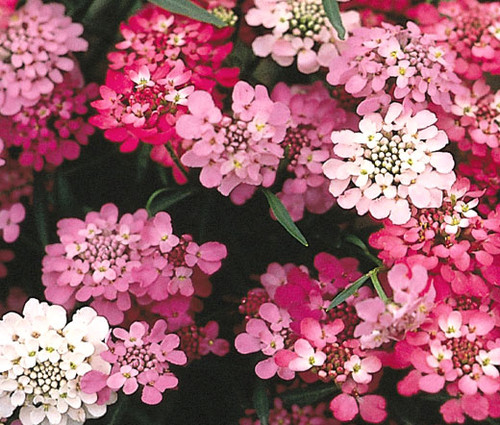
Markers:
point(43, 360)
point(314, 115)
point(54, 128)
point(453, 242)
point(9, 221)
point(300, 28)
point(141, 356)
point(470, 30)
point(242, 150)
point(392, 161)
point(33, 59)
point(374, 58)
point(116, 262)
point(162, 59)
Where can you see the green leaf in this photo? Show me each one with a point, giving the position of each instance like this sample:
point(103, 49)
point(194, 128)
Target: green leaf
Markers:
point(261, 402)
point(360, 244)
point(283, 217)
point(346, 293)
point(333, 13)
point(377, 285)
point(65, 197)
point(143, 162)
point(191, 10)
point(307, 396)
point(167, 201)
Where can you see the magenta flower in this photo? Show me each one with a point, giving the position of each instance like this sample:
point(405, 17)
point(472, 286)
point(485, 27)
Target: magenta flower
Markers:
point(161, 60)
point(53, 129)
point(392, 161)
point(34, 60)
point(242, 150)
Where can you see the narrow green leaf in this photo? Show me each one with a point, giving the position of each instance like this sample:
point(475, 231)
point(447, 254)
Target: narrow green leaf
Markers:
point(143, 162)
point(333, 13)
point(377, 285)
point(261, 402)
point(307, 396)
point(283, 217)
point(65, 197)
point(176, 159)
point(191, 10)
point(40, 208)
point(346, 293)
point(360, 244)
point(157, 203)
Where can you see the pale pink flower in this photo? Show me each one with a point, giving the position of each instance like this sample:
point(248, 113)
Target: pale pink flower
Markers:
point(300, 29)
point(392, 161)
point(239, 150)
point(34, 60)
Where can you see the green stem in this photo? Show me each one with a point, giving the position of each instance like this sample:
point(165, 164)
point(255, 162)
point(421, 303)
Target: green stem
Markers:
point(176, 159)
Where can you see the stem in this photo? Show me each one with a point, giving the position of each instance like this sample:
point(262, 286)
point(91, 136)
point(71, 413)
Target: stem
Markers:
point(176, 159)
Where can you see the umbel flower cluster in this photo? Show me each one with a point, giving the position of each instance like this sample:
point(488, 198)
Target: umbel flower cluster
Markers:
point(114, 262)
point(367, 130)
point(43, 360)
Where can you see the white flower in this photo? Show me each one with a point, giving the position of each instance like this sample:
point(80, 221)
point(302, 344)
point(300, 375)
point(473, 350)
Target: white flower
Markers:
point(43, 358)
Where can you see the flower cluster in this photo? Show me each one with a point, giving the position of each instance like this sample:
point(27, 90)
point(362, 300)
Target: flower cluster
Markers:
point(474, 121)
point(384, 322)
point(200, 341)
point(43, 360)
point(460, 247)
point(470, 29)
point(161, 60)
point(54, 128)
point(300, 28)
point(292, 328)
point(307, 143)
point(115, 261)
point(239, 151)
point(457, 350)
point(391, 60)
point(392, 161)
point(15, 184)
point(139, 356)
point(36, 52)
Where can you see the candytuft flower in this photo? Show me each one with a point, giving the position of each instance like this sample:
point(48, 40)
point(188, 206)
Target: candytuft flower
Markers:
point(43, 359)
point(393, 161)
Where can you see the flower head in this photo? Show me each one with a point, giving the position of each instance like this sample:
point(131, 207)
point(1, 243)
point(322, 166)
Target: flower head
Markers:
point(44, 358)
point(392, 161)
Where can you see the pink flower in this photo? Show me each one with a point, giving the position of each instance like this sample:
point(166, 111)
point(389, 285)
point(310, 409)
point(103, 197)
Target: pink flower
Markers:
point(391, 161)
point(307, 357)
point(422, 71)
point(314, 114)
point(469, 29)
point(35, 61)
point(142, 356)
point(155, 385)
point(239, 150)
point(115, 262)
point(301, 31)
point(9, 221)
point(161, 61)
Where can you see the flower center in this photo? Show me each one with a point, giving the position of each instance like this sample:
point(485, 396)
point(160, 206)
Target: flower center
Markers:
point(308, 17)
